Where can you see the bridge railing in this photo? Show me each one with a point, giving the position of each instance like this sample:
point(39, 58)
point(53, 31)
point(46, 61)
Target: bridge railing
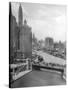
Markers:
point(20, 69)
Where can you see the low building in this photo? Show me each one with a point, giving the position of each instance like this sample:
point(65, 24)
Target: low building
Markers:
point(61, 48)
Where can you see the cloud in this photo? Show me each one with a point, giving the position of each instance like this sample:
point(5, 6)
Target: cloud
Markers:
point(45, 20)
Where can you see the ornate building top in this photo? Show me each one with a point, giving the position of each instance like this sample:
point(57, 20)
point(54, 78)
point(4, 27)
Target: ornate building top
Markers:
point(20, 17)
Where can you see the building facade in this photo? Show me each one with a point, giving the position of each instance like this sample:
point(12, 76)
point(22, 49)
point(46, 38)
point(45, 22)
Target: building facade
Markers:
point(12, 33)
point(49, 44)
point(20, 36)
point(25, 35)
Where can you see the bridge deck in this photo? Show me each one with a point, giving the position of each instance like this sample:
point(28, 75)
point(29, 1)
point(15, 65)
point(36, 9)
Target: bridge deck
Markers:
point(39, 78)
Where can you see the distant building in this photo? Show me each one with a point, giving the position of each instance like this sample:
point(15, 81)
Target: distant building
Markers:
point(41, 44)
point(64, 44)
point(34, 42)
point(34, 39)
point(49, 44)
point(56, 46)
point(60, 47)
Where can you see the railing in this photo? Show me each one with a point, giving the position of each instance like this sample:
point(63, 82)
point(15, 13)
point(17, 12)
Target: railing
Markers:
point(18, 68)
point(38, 67)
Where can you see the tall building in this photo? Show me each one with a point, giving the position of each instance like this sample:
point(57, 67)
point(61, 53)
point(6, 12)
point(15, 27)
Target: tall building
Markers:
point(24, 35)
point(20, 16)
point(12, 32)
point(20, 44)
point(35, 44)
point(49, 44)
point(20, 35)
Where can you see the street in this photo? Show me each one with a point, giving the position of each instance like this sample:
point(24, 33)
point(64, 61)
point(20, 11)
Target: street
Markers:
point(39, 78)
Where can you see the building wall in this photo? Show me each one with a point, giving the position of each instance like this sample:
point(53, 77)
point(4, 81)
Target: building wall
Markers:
point(25, 35)
point(49, 44)
point(20, 35)
point(25, 40)
point(12, 33)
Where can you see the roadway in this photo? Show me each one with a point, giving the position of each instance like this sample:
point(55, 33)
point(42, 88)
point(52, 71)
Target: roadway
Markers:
point(39, 78)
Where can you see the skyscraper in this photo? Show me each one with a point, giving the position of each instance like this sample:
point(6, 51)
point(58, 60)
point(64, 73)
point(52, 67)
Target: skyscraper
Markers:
point(25, 35)
point(12, 32)
point(20, 16)
point(49, 44)
point(20, 35)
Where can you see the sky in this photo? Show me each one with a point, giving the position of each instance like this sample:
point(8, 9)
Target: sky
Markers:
point(46, 20)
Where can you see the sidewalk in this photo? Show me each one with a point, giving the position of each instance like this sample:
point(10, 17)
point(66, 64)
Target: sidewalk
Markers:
point(21, 74)
point(38, 78)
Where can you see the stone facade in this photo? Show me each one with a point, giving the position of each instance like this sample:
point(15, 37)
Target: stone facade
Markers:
point(25, 35)
point(20, 35)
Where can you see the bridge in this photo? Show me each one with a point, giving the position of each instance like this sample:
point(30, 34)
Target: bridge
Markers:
point(38, 67)
point(37, 77)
